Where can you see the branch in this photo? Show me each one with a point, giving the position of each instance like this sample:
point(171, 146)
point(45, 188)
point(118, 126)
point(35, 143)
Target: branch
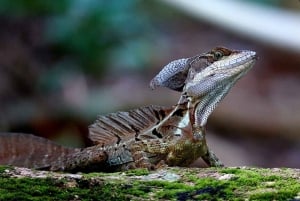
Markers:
point(240, 183)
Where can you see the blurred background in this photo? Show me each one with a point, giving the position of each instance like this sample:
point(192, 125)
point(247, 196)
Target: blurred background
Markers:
point(64, 62)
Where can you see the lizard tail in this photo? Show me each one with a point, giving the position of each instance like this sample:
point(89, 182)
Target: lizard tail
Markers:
point(25, 150)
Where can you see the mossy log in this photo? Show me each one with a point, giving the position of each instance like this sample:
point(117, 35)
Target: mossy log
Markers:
point(234, 183)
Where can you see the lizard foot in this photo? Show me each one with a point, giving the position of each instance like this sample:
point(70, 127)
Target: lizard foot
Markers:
point(212, 160)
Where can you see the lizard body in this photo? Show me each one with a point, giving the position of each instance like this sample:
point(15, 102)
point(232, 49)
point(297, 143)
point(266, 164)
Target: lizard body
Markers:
point(149, 136)
point(141, 137)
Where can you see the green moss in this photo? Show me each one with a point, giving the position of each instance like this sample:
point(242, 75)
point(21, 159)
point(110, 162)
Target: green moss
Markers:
point(3, 168)
point(137, 172)
point(194, 184)
point(167, 190)
point(253, 182)
point(230, 170)
point(48, 189)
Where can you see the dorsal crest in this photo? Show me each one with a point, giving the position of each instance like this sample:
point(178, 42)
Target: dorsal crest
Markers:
point(118, 127)
point(143, 123)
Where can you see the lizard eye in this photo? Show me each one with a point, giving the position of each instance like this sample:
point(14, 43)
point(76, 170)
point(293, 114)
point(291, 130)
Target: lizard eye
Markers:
point(218, 55)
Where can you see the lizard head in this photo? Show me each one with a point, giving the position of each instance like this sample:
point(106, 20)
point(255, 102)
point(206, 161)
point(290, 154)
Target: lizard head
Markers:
point(179, 72)
point(223, 67)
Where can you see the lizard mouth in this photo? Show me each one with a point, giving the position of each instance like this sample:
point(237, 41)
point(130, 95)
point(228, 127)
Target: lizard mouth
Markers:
point(245, 57)
point(251, 54)
point(242, 59)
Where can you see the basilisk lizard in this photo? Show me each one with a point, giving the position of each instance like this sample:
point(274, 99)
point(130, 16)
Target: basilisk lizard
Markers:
point(149, 136)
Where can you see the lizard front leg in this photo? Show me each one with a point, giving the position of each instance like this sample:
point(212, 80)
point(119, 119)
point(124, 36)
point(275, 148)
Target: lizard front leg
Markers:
point(208, 155)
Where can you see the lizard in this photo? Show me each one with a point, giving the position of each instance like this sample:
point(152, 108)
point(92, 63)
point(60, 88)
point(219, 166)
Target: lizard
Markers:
point(150, 136)
point(204, 81)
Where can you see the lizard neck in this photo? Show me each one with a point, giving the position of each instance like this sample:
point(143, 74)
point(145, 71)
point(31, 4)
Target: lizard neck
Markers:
point(204, 107)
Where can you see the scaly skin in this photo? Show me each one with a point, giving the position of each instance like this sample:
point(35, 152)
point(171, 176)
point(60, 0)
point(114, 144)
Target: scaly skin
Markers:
point(149, 136)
